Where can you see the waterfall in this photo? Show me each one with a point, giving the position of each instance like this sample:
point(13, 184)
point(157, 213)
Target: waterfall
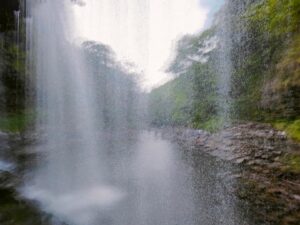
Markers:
point(224, 65)
point(17, 22)
point(85, 93)
point(72, 169)
point(233, 37)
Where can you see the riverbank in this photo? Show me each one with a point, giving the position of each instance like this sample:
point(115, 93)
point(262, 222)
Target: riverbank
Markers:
point(269, 175)
point(14, 162)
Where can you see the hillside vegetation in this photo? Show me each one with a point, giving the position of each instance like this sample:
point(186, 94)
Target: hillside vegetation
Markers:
point(261, 40)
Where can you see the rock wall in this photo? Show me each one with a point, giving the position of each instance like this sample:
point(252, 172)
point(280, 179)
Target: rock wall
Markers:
point(12, 57)
point(269, 175)
point(7, 8)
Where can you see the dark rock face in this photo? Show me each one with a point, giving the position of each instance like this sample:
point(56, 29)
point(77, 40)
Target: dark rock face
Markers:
point(7, 8)
point(283, 104)
point(12, 57)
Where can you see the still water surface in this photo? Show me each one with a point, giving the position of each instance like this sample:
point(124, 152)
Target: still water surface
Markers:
point(151, 180)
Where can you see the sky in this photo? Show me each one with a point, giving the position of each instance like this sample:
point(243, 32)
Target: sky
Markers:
point(143, 32)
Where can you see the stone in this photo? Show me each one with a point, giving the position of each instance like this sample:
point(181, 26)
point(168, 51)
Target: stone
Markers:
point(257, 150)
point(297, 197)
point(240, 160)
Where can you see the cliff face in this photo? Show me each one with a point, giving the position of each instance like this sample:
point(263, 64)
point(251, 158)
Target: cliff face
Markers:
point(12, 55)
point(275, 24)
point(7, 14)
point(264, 38)
point(281, 95)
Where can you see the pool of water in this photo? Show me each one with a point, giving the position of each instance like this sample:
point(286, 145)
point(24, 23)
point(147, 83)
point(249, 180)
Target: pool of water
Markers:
point(150, 180)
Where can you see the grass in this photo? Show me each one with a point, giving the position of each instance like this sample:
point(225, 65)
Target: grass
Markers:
point(292, 162)
point(213, 125)
point(292, 128)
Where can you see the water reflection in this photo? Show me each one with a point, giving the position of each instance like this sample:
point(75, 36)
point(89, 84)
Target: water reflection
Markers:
point(150, 181)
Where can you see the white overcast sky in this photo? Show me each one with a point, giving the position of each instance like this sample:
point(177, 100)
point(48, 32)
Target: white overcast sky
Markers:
point(142, 31)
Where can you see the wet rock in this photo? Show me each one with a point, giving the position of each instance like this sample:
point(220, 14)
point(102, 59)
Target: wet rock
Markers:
point(4, 139)
point(240, 160)
point(296, 197)
point(270, 165)
point(3, 135)
point(274, 165)
point(6, 166)
point(14, 209)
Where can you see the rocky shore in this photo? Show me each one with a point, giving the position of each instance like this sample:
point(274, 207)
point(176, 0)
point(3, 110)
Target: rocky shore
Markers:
point(13, 163)
point(269, 162)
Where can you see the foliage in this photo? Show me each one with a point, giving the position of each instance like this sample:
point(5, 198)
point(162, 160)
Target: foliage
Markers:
point(205, 104)
point(277, 17)
point(213, 124)
point(263, 38)
point(192, 49)
point(278, 33)
point(189, 99)
point(288, 69)
point(117, 93)
point(291, 127)
point(170, 104)
point(12, 60)
point(292, 163)
point(16, 122)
